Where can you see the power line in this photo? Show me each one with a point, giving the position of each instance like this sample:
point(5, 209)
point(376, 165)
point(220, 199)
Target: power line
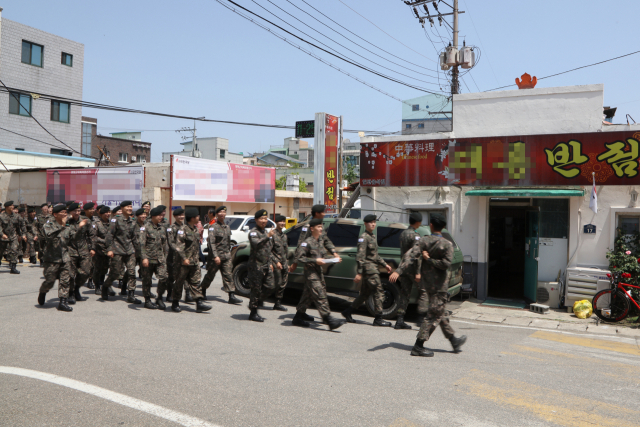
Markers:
point(478, 34)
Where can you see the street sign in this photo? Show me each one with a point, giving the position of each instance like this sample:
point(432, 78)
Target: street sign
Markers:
point(589, 229)
point(305, 129)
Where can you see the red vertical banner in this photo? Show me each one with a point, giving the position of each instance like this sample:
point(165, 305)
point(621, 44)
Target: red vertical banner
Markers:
point(331, 163)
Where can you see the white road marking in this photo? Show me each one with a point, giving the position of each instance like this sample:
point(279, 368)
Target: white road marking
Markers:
point(131, 402)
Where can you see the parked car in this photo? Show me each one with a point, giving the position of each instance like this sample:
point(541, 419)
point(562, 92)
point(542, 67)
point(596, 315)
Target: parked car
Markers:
point(344, 234)
point(240, 226)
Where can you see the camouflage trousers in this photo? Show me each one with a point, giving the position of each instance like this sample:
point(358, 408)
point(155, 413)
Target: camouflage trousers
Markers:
point(406, 282)
point(189, 277)
point(371, 285)
point(41, 244)
point(30, 248)
point(262, 286)
point(126, 279)
point(9, 248)
point(315, 292)
point(100, 268)
point(79, 270)
point(280, 278)
point(117, 269)
point(53, 272)
point(225, 268)
point(171, 271)
point(160, 269)
point(436, 315)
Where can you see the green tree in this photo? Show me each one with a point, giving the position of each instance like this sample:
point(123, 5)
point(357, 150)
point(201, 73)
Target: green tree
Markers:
point(349, 173)
point(302, 186)
point(281, 183)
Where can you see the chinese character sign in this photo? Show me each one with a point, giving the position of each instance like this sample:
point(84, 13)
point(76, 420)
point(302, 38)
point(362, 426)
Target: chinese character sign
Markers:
point(567, 159)
point(331, 163)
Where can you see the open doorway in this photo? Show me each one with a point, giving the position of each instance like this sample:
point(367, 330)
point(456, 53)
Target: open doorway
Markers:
point(507, 231)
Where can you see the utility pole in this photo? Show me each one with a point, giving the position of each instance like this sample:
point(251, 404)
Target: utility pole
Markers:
point(194, 140)
point(455, 84)
point(194, 146)
point(340, 171)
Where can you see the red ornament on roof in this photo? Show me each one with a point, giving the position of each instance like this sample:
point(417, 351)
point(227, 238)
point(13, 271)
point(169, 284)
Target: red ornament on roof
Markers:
point(527, 82)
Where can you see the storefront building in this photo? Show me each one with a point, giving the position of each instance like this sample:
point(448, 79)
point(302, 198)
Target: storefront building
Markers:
point(514, 179)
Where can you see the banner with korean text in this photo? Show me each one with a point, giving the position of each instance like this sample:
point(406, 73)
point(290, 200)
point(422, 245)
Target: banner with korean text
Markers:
point(331, 163)
point(564, 159)
point(198, 180)
point(103, 186)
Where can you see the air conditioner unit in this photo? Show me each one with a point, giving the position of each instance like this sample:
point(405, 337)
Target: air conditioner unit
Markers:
point(133, 158)
point(549, 294)
point(584, 283)
point(144, 161)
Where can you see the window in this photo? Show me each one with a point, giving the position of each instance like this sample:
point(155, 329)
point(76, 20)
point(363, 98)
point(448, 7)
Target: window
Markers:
point(67, 59)
point(222, 154)
point(233, 223)
point(123, 157)
point(252, 224)
point(32, 53)
point(20, 104)
point(421, 125)
point(86, 139)
point(60, 152)
point(19, 149)
point(415, 107)
point(389, 237)
point(60, 111)
point(141, 158)
point(407, 126)
point(629, 224)
point(253, 162)
point(293, 235)
point(343, 235)
point(554, 217)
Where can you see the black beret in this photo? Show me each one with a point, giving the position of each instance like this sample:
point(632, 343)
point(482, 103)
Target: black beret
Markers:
point(116, 209)
point(43, 205)
point(20, 210)
point(99, 207)
point(9, 203)
point(125, 203)
point(163, 207)
point(317, 209)
point(146, 203)
point(438, 221)
point(30, 210)
point(89, 205)
point(280, 218)
point(370, 218)
point(191, 213)
point(73, 206)
point(221, 208)
point(314, 222)
point(176, 212)
point(156, 211)
point(261, 213)
point(140, 212)
point(104, 210)
point(415, 217)
point(59, 208)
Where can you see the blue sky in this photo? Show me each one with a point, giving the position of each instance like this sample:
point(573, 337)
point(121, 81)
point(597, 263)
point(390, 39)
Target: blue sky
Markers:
point(197, 58)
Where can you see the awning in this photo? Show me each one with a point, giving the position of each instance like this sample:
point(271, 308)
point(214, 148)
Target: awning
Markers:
point(526, 192)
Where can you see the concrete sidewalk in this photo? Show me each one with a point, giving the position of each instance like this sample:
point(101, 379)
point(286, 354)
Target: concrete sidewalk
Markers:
point(556, 319)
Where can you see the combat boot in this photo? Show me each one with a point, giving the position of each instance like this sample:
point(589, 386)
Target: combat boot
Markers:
point(20, 259)
point(148, 304)
point(419, 350)
point(112, 292)
point(40, 263)
point(379, 322)
point(306, 317)
point(456, 343)
point(169, 299)
point(105, 293)
point(62, 305)
point(255, 316)
point(202, 306)
point(13, 269)
point(333, 322)
point(123, 288)
point(160, 304)
point(72, 298)
point(187, 297)
point(33, 260)
point(131, 299)
point(299, 321)
point(42, 297)
point(347, 315)
point(90, 284)
point(278, 306)
point(204, 293)
point(233, 299)
point(175, 306)
point(77, 295)
point(400, 323)
point(98, 288)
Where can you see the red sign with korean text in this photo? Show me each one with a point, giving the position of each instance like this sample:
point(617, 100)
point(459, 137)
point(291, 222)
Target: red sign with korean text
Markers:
point(331, 163)
point(566, 159)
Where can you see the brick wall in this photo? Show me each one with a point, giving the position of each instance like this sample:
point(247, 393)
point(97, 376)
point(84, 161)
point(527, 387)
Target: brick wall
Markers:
point(115, 146)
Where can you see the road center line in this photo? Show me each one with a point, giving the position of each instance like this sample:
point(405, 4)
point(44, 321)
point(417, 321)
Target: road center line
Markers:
point(131, 402)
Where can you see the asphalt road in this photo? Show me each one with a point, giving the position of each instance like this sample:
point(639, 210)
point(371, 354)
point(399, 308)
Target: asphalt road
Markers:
point(116, 364)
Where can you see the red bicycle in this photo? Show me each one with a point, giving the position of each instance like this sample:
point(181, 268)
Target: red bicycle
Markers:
point(612, 305)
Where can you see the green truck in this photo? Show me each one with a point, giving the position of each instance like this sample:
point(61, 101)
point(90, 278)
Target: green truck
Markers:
point(344, 234)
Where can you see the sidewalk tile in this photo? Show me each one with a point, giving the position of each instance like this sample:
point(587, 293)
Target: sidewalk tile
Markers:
point(565, 326)
point(491, 318)
point(517, 321)
point(543, 323)
point(602, 329)
point(466, 315)
point(629, 332)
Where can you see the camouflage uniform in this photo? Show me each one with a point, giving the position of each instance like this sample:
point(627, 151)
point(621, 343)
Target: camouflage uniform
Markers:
point(78, 248)
point(42, 241)
point(260, 275)
point(408, 240)
point(91, 236)
point(119, 240)
point(152, 244)
point(136, 245)
point(280, 251)
point(368, 260)
point(57, 261)
point(219, 244)
point(10, 245)
point(32, 231)
point(21, 226)
point(314, 285)
point(172, 264)
point(435, 280)
point(101, 260)
point(187, 243)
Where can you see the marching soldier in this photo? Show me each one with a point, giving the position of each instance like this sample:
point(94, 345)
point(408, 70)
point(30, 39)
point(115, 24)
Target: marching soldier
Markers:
point(280, 263)
point(153, 238)
point(368, 260)
point(21, 228)
point(88, 211)
point(141, 217)
point(312, 253)
point(433, 255)
point(260, 264)
point(187, 244)
point(122, 285)
point(147, 209)
point(79, 250)
point(178, 221)
point(120, 249)
point(219, 256)
point(9, 243)
point(24, 243)
point(56, 260)
point(101, 260)
point(32, 236)
point(42, 220)
point(408, 240)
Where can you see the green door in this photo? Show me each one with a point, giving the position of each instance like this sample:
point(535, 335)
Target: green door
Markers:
point(532, 254)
